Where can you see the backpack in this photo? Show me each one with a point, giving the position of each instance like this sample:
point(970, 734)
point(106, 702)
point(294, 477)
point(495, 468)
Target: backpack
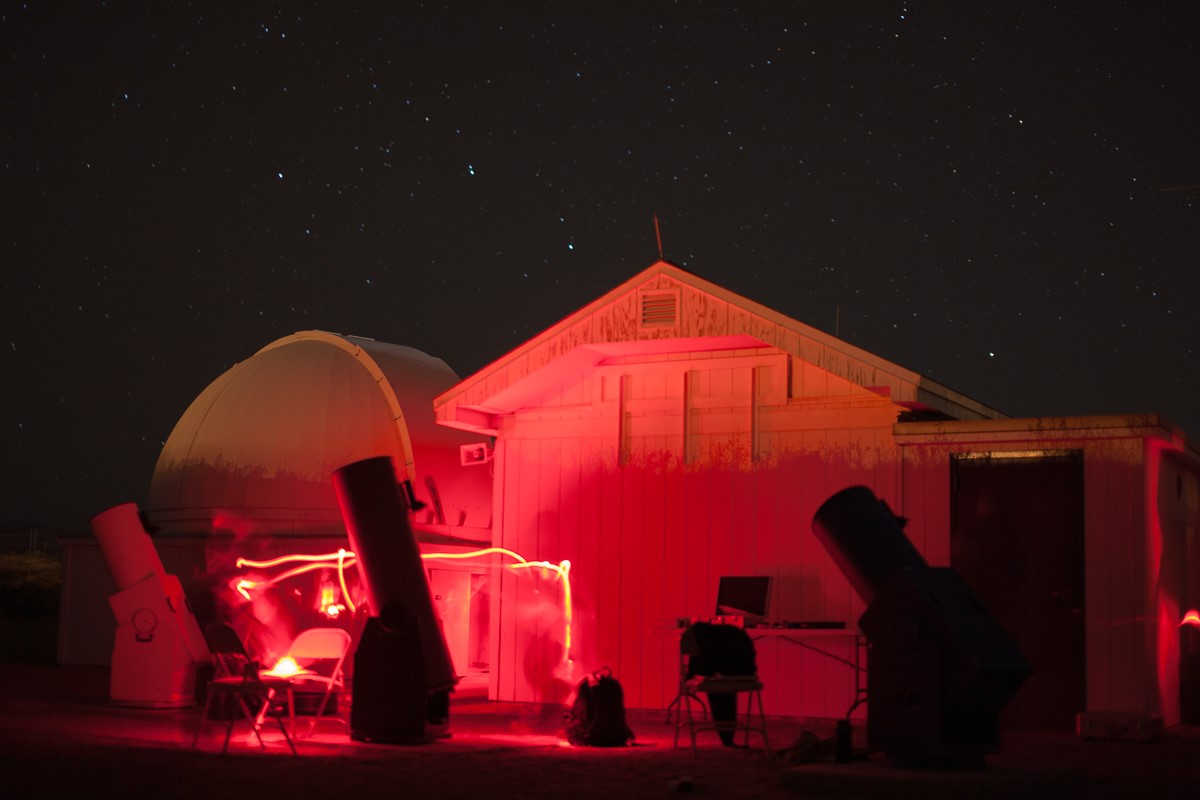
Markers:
point(597, 717)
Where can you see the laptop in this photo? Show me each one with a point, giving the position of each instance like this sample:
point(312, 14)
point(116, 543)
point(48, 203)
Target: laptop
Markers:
point(744, 596)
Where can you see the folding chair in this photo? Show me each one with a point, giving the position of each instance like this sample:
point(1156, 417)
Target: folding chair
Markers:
point(714, 685)
point(678, 702)
point(320, 652)
point(239, 678)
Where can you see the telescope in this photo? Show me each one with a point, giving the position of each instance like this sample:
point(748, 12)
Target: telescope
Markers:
point(158, 645)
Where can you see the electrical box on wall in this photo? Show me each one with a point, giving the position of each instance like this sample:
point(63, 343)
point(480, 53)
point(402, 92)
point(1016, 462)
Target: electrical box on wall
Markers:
point(469, 454)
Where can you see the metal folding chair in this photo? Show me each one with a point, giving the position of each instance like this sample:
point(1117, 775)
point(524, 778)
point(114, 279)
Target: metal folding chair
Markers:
point(240, 680)
point(691, 688)
point(321, 653)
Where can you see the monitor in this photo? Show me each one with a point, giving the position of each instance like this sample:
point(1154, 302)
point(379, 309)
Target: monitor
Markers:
point(744, 596)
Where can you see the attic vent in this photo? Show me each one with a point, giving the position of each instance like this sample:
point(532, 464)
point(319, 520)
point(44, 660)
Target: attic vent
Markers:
point(659, 309)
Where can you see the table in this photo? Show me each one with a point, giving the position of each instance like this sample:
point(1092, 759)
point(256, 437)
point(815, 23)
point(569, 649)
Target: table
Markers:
point(799, 637)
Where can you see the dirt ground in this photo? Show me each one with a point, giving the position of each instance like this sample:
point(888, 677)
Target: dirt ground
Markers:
point(60, 737)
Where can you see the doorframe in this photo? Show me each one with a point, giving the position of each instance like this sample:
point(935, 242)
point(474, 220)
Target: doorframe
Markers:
point(1077, 458)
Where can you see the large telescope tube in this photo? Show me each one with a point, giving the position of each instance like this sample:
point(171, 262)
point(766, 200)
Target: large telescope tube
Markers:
point(939, 670)
point(389, 560)
point(865, 540)
point(158, 645)
point(127, 548)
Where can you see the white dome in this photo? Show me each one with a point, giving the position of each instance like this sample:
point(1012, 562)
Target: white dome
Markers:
point(255, 450)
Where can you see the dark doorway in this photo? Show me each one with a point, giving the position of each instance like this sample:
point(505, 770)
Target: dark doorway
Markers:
point(1017, 541)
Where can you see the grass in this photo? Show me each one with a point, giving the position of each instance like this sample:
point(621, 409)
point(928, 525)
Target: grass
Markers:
point(29, 586)
point(30, 571)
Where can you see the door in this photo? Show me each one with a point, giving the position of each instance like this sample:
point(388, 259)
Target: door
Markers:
point(451, 590)
point(1017, 541)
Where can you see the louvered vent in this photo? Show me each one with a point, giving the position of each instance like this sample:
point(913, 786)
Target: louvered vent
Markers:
point(660, 309)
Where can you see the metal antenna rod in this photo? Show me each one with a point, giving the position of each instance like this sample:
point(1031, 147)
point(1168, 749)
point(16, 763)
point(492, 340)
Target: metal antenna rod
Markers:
point(658, 237)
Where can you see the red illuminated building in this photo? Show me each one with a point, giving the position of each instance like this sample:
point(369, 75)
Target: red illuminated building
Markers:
point(667, 434)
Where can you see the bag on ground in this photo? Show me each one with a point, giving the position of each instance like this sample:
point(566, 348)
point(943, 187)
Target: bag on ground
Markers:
point(597, 717)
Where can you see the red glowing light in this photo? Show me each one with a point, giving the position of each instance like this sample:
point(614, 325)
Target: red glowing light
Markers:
point(561, 570)
point(328, 601)
point(321, 560)
point(341, 559)
point(1192, 618)
point(341, 573)
point(286, 667)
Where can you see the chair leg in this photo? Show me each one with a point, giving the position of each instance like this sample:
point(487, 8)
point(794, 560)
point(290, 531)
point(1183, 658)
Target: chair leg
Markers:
point(692, 722)
point(687, 699)
point(675, 705)
point(233, 718)
point(685, 707)
point(745, 725)
point(254, 726)
point(269, 708)
point(203, 719)
point(320, 710)
point(284, 728)
point(749, 716)
point(678, 703)
point(291, 700)
point(750, 726)
point(252, 715)
point(762, 718)
point(242, 707)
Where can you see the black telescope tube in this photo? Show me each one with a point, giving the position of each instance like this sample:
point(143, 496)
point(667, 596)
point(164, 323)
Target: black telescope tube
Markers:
point(865, 540)
point(389, 560)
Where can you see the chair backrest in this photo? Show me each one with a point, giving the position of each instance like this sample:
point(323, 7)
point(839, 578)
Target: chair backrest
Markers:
point(228, 652)
point(316, 644)
point(718, 649)
point(688, 646)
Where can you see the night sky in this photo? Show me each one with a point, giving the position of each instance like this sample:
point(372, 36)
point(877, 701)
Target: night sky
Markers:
point(1001, 197)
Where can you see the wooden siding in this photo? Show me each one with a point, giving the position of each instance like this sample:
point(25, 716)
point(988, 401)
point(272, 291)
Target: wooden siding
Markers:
point(1131, 656)
point(1115, 577)
point(704, 311)
point(1179, 564)
point(605, 484)
point(675, 467)
point(673, 473)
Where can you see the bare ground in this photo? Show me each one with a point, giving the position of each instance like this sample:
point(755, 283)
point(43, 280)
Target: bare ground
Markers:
point(59, 737)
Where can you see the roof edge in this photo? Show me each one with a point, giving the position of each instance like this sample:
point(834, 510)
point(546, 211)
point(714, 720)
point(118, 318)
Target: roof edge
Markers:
point(677, 273)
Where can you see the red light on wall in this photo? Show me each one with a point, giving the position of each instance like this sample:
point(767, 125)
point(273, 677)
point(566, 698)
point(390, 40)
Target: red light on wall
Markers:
point(1192, 618)
point(329, 600)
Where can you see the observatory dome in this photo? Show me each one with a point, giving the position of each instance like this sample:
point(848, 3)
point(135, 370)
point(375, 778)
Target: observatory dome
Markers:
point(254, 452)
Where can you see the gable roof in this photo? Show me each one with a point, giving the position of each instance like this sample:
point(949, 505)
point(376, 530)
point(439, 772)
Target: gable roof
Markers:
point(666, 310)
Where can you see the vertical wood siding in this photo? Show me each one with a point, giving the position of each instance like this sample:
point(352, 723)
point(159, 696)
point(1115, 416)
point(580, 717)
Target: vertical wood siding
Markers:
point(690, 466)
point(1130, 666)
point(605, 484)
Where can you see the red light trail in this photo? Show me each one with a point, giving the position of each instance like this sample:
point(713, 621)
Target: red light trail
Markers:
point(328, 601)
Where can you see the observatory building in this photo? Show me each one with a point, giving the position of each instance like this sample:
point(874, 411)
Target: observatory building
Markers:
point(666, 435)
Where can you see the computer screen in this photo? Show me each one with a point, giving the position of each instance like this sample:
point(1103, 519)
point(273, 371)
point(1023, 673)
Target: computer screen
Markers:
point(744, 595)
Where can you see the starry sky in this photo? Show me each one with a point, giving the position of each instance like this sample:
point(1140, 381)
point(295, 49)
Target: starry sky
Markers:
point(1002, 196)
